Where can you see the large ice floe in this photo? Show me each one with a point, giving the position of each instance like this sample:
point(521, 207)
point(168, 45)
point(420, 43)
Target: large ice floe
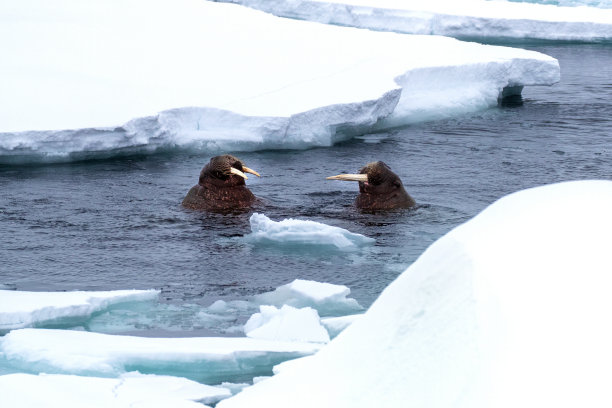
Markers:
point(20, 309)
point(300, 233)
point(131, 390)
point(483, 20)
point(509, 309)
point(99, 78)
point(210, 360)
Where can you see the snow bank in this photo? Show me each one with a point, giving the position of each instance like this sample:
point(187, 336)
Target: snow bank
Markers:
point(99, 80)
point(510, 309)
point(303, 232)
point(20, 309)
point(130, 390)
point(205, 359)
point(467, 19)
point(286, 324)
point(328, 299)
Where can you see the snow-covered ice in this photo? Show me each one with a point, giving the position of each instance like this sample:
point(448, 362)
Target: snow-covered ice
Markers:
point(20, 309)
point(130, 390)
point(482, 20)
point(207, 359)
point(509, 309)
point(286, 324)
point(335, 325)
point(327, 298)
point(303, 233)
point(98, 78)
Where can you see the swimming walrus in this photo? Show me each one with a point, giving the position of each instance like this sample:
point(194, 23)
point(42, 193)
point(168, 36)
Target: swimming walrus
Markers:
point(379, 188)
point(221, 186)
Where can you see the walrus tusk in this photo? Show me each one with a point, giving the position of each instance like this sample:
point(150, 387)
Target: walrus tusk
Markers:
point(237, 172)
point(349, 177)
point(247, 170)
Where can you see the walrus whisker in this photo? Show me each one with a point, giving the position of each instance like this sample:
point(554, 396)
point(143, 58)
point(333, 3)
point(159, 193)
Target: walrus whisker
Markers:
point(248, 170)
point(237, 172)
point(349, 177)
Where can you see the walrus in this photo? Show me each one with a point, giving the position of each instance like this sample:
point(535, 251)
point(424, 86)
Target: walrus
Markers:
point(379, 188)
point(221, 186)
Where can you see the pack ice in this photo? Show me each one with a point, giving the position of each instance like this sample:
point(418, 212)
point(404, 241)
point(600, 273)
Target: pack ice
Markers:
point(98, 79)
point(483, 20)
point(20, 309)
point(131, 390)
point(509, 309)
point(303, 232)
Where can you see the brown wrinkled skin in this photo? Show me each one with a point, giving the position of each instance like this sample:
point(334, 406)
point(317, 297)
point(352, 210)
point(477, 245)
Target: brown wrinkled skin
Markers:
point(383, 190)
point(218, 189)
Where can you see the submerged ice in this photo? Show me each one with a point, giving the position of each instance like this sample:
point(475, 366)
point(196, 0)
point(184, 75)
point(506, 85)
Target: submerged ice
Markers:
point(209, 360)
point(20, 309)
point(256, 81)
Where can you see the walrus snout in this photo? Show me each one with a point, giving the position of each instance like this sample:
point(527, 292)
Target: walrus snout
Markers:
point(379, 188)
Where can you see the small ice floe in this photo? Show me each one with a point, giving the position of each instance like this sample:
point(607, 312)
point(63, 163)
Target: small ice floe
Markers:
point(509, 309)
point(287, 324)
point(130, 390)
point(205, 359)
point(19, 309)
point(303, 233)
point(328, 299)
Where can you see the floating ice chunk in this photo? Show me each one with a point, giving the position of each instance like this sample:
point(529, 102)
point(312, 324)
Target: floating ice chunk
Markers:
point(205, 359)
point(328, 299)
point(509, 309)
point(303, 232)
point(286, 324)
point(274, 83)
point(20, 309)
point(130, 390)
point(468, 19)
point(335, 325)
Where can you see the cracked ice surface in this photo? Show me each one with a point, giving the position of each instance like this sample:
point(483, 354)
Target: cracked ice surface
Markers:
point(130, 390)
point(19, 309)
point(509, 309)
point(99, 79)
point(468, 19)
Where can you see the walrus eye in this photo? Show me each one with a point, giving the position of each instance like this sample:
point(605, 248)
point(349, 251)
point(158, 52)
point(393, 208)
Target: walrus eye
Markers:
point(397, 184)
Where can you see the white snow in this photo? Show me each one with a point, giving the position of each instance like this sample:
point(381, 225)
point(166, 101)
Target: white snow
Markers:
point(327, 298)
point(131, 390)
point(303, 232)
point(468, 19)
point(205, 359)
point(509, 309)
point(110, 76)
point(20, 309)
point(286, 324)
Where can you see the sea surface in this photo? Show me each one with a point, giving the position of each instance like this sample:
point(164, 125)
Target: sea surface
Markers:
point(118, 223)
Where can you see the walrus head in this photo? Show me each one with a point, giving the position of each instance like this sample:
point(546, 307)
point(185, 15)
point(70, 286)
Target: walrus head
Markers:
point(221, 186)
point(379, 188)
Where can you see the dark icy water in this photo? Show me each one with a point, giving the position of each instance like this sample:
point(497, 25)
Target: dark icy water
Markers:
point(118, 224)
